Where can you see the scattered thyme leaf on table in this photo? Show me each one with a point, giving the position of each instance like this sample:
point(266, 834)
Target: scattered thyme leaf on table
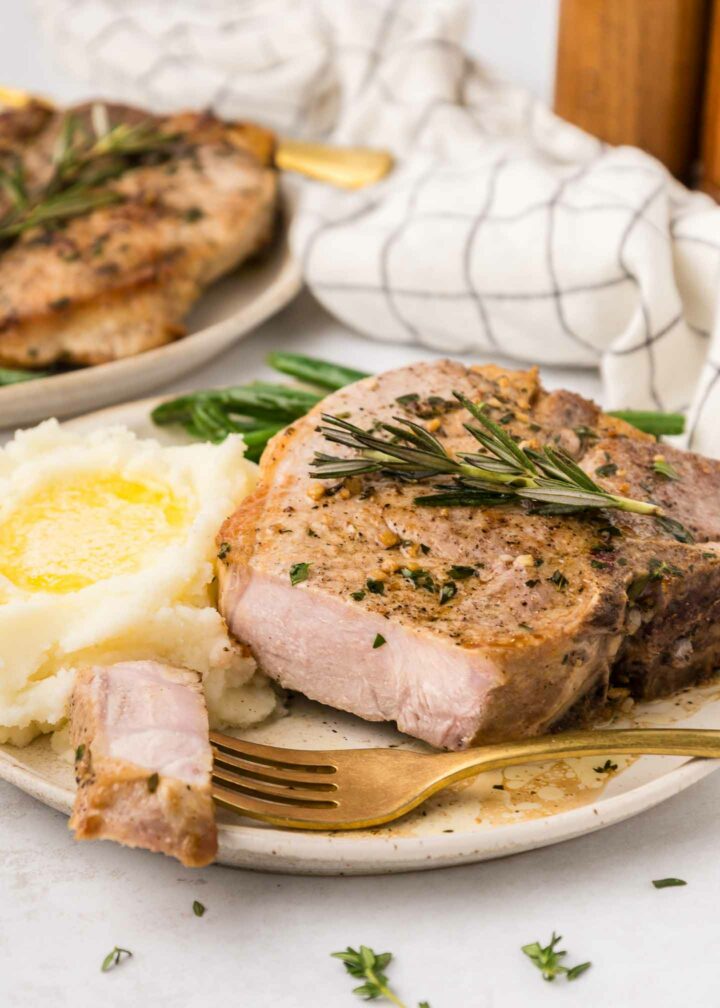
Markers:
point(198, 908)
point(114, 958)
point(366, 965)
point(667, 883)
point(547, 959)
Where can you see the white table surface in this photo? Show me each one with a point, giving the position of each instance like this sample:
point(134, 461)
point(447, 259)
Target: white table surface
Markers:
point(265, 940)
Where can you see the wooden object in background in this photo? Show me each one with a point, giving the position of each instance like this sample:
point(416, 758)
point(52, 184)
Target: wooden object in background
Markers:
point(710, 170)
point(630, 72)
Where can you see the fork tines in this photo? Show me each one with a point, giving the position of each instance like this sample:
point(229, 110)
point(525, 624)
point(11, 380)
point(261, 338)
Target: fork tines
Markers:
point(252, 779)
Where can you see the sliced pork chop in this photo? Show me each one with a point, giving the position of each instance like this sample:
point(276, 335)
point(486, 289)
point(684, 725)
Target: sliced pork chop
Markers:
point(143, 760)
point(540, 613)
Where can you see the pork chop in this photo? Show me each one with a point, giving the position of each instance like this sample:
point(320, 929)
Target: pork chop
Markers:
point(542, 609)
point(143, 760)
point(120, 279)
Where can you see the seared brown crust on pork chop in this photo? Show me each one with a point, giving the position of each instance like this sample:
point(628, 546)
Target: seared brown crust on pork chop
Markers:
point(143, 760)
point(541, 612)
point(120, 279)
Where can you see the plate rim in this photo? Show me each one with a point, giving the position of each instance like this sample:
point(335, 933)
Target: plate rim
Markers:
point(302, 852)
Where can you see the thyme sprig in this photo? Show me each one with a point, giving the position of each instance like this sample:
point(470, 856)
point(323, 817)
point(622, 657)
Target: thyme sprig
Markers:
point(547, 959)
point(369, 966)
point(498, 474)
point(83, 161)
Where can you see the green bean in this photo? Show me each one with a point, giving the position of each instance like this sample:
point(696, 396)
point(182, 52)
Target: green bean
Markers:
point(313, 371)
point(652, 422)
point(13, 376)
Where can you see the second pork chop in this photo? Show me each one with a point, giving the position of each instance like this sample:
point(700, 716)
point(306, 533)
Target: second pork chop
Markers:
point(537, 610)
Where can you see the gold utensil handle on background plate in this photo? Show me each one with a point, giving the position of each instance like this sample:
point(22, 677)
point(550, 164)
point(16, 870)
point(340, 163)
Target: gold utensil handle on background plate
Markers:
point(346, 167)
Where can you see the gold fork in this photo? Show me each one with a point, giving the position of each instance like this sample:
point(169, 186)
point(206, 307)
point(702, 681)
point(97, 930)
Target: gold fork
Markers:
point(344, 789)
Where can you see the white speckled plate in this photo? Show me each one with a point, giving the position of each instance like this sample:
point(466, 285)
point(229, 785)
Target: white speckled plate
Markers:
point(227, 311)
point(473, 821)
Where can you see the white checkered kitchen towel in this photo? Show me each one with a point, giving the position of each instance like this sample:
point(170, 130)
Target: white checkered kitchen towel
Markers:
point(502, 228)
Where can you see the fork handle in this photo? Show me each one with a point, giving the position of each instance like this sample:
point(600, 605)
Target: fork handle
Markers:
point(346, 167)
point(699, 742)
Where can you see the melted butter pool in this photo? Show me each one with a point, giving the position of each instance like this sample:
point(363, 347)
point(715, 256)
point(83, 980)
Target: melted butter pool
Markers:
point(74, 532)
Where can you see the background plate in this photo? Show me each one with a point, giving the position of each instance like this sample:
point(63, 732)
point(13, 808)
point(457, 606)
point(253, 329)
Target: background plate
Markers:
point(226, 312)
point(473, 821)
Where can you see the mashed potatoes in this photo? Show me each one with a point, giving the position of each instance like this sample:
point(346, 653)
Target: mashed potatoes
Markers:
point(107, 545)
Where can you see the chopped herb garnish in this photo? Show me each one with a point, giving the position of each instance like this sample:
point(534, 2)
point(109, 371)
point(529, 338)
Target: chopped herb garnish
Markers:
point(667, 883)
point(112, 959)
point(459, 573)
point(424, 549)
point(299, 572)
point(498, 787)
point(405, 400)
point(507, 418)
point(599, 565)
point(585, 433)
point(193, 214)
point(675, 528)
point(603, 547)
point(532, 582)
point(375, 586)
point(559, 579)
point(152, 783)
point(420, 577)
point(657, 570)
point(79, 753)
point(663, 468)
point(447, 592)
point(357, 595)
point(225, 548)
point(198, 908)
point(608, 531)
point(607, 767)
point(548, 962)
point(368, 966)
point(609, 469)
point(379, 641)
point(525, 626)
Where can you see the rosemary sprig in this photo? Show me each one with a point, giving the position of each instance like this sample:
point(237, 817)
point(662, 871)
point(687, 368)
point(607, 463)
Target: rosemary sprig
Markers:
point(82, 162)
point(498, 474)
